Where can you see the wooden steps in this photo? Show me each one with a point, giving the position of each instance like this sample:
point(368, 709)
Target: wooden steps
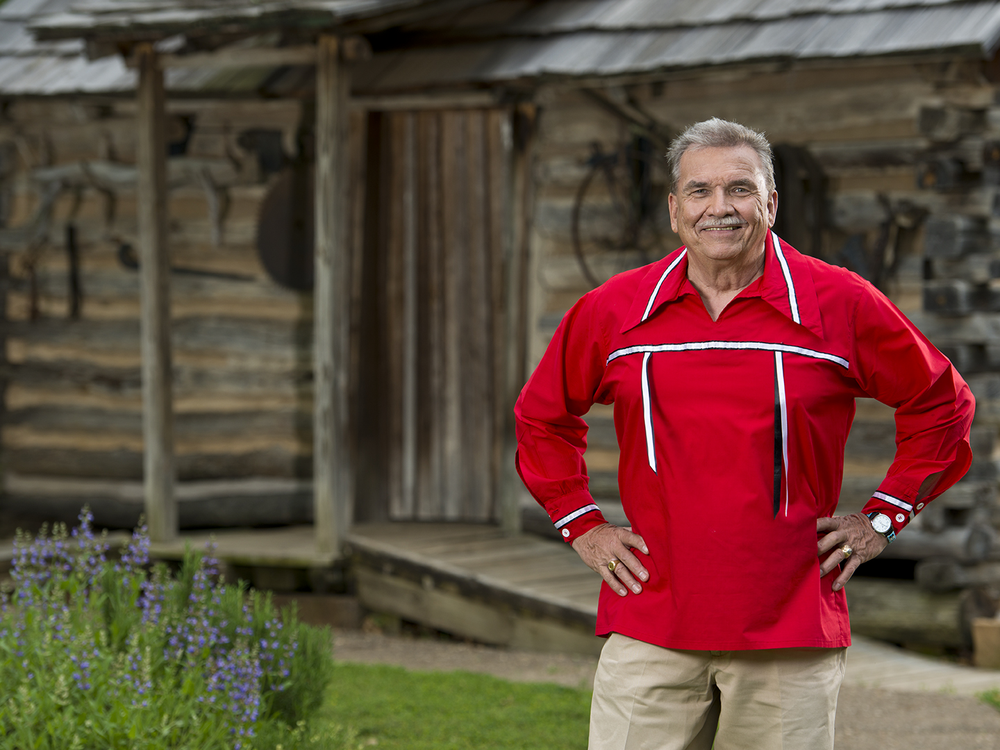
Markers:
point(472, 580)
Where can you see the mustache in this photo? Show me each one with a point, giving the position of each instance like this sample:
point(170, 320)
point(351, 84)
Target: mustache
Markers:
point(727, 221)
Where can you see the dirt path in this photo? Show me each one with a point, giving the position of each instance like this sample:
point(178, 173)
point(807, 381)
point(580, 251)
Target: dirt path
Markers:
point(866, 720)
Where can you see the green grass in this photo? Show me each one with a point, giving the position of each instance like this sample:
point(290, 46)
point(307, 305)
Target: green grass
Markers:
point(991, 698)
point(453, 710)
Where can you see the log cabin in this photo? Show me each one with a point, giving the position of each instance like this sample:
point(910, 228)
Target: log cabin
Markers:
point(291, 262)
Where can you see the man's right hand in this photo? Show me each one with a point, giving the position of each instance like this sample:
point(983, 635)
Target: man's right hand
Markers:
point(605, 543)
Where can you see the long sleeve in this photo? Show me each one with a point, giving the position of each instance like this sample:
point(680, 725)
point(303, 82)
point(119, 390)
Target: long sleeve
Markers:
point(934, 408)
point(551, 433)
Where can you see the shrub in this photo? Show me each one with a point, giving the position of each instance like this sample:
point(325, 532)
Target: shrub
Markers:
point(103, 653)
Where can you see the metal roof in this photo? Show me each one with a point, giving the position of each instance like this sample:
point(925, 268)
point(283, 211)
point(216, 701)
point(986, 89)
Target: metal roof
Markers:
point(59, 66)
point(157, 19)
point(597, 38)
point(491, 43)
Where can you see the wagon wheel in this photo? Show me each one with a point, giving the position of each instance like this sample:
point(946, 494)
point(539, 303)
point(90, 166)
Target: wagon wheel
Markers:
point(619, 215)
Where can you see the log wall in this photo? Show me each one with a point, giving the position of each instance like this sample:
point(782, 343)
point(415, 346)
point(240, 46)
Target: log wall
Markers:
point(429, 201)
point(242, 343)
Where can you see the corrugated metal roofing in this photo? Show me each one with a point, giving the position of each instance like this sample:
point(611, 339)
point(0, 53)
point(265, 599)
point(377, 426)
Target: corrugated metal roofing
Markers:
point(617, 37)
point(145, 19)
point(561, 16)
point(516, 40)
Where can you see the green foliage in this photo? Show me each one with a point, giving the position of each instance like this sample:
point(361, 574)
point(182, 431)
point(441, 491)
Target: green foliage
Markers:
point(991, 698)
point(454, 710)
point(108, 654)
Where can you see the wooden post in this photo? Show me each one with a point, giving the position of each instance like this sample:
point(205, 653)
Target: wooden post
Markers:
point(332, 472)
point(410, 315)
point(154, 280)
point(519, 202)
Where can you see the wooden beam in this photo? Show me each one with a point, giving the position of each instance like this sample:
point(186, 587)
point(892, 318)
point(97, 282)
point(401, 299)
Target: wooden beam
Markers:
point(410, 317)
point(154, 286)
point(352, 49)
point(432, 100)
point(514, 369)
point(333, 473)
point(263, 57)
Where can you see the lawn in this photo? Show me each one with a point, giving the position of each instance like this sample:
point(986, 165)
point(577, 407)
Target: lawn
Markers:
point(391, 708)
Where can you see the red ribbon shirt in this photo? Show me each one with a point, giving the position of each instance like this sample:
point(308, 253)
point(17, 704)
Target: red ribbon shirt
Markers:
point(732, 437)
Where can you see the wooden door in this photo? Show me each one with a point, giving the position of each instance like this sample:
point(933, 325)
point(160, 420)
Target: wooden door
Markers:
point(431, 333)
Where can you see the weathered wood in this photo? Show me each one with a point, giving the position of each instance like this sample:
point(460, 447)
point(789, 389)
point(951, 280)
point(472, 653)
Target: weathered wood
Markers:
point(264, 57)
point(986, 642)
point(954, 236)
point(204, 504)
point(453, 226)
point(212, 380)
point(266, 338)
point(472, 619)
point(944, 173)
point(391, 299)
point(400, 557)
point(125, 463)
point(952, 297)
point(334, 486)
point(290, 547)
point(901, 612)
point(224, 424)
point(944, 574)
point(159, 471)
point(430, 101)
point(431, 461)
point(521, 130)
point(970, 544)
point(477, 331)
point(497, 156)
point(410, 337)
point(977, 268)
point(947, 123)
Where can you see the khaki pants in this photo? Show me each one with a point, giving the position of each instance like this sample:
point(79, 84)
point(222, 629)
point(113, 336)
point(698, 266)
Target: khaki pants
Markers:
point(649, 697)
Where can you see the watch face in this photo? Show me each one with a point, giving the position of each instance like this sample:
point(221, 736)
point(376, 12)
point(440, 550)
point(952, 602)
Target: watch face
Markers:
point(881, 523)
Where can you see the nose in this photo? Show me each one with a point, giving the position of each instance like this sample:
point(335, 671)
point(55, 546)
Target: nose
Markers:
point(720, 205)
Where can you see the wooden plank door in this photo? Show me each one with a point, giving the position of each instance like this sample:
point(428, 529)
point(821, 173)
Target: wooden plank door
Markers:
point(431, 326)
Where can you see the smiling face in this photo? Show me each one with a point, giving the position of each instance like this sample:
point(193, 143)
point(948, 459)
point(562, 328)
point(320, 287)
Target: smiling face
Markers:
point(722, 208)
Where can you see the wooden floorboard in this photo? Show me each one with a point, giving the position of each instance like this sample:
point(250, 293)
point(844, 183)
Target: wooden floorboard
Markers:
point(541, 573)
point(285, 546)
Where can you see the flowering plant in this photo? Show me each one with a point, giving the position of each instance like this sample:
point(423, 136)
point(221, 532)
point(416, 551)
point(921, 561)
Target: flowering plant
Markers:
point(97, 652)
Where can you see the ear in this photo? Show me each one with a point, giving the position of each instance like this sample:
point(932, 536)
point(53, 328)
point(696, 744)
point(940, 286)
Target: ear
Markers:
point(672, 204)
point(772, 207)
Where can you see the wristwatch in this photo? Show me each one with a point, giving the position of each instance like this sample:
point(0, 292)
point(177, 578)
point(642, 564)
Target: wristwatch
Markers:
point(882, 524)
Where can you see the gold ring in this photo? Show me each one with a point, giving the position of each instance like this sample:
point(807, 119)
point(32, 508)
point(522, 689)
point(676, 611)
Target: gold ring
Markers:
point(612, 565)
point(846, 551)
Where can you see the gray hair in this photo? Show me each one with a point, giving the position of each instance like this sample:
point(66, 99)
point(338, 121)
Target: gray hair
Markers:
point(718, 133)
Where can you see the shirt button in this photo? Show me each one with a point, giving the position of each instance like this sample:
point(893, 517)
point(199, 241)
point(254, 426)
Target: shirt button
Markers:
point(900, 518)
point(565, 533)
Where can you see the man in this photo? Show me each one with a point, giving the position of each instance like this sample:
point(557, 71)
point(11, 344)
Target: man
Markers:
point(733, 365)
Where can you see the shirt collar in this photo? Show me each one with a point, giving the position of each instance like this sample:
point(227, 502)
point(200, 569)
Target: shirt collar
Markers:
point(787, 285)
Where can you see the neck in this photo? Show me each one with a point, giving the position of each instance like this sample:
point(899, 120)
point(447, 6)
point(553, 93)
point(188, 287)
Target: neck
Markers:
point(719, 282)
point(725, 276)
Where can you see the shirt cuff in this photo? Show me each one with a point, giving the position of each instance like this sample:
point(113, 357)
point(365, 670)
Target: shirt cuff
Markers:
point(575, 515)
point(900, 506)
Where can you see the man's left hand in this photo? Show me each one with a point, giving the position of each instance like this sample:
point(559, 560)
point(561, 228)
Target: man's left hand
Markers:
point(855, 531)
